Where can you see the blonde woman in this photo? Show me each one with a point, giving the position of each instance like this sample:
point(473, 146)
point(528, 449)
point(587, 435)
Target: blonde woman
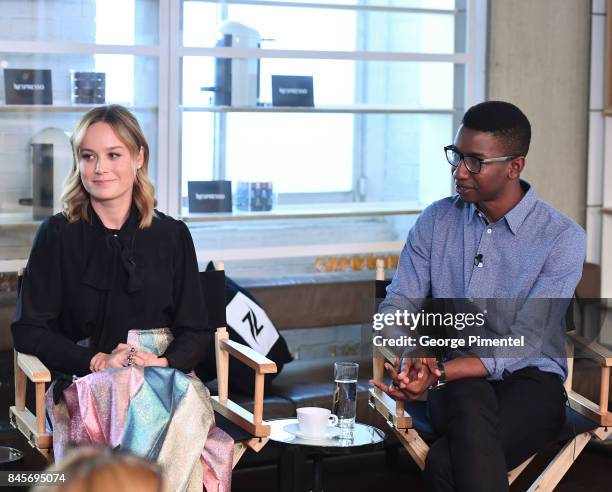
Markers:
point(112, 283)
point(100, 469)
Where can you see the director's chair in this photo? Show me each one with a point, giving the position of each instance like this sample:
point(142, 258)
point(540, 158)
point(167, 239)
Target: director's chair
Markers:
point(248, 430)
point(584, 419)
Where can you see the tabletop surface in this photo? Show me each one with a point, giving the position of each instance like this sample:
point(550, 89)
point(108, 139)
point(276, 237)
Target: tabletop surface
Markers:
point(362, 435)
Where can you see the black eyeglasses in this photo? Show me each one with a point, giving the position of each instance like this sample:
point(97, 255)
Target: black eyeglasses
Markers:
point(472, 164)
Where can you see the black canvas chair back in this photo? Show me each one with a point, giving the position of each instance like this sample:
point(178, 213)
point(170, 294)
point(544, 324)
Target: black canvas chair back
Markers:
point(381, 290)
point(213, 289)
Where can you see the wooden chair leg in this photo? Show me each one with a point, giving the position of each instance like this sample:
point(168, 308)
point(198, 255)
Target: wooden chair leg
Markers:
point(222, 361)
point(258, 398)
point(513, 474)
point(557, 468)
point(256, 444)
point(20, 385)
point(32, 425)
point(239, 450)
point(41, 415)
point(414, 444)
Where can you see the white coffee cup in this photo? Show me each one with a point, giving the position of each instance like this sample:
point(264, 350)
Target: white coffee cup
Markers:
point(313, 420)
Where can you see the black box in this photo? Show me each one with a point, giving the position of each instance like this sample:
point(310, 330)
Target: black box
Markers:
point(88, 87)
point(209, 196)
point(292, 90)
point(255, 196)
point(27, 86)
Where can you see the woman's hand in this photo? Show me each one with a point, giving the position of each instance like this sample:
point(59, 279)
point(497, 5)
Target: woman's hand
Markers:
point(102, 361)
point(125, 355)
point(145, 359)
point(139, 357)
point(122, 347)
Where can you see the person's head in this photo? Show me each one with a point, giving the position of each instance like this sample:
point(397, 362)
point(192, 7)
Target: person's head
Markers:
point(100, 469)
point(490, 130)
point(111, 158)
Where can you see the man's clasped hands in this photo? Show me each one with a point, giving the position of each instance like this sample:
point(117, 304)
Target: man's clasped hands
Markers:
point(411, 377)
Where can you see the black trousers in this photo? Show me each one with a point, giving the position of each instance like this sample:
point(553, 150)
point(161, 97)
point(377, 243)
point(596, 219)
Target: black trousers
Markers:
point(490, 427)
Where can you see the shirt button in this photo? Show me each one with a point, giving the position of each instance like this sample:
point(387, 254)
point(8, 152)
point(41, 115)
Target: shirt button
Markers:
point(489, 231)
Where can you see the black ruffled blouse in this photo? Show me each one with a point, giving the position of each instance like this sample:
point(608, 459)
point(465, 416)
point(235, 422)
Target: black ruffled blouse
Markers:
point(86, 281)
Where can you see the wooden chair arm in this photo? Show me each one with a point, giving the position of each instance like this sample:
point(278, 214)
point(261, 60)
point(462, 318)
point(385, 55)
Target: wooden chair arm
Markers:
point(601, 355)
point(590, 410)
point(33, 368)
point(385, 355)
point(241, 417)
point(591, 349)
point(33, 427)
point(250, 422)
point(250, 357)
point(393, 411)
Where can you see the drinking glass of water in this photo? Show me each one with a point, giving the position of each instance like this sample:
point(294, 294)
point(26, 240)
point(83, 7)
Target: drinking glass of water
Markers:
point(344, 404)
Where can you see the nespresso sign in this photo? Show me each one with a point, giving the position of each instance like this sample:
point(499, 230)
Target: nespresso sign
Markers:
point(292, 90)
point(209, 196)
point(27, 86)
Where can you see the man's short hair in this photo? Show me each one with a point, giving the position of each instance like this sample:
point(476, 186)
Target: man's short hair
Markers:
point(505, 121)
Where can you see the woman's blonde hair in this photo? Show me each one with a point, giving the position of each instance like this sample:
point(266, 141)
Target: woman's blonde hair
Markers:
point(101, 469)
point(75, 198)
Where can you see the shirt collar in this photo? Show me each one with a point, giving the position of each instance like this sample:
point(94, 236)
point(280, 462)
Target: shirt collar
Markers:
point(110, 248)
point(515, 217)
point(127, 229)
point(472, 211)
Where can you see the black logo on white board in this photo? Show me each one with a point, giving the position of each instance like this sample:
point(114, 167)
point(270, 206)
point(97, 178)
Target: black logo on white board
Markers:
point(252, 319)
point(251, 322)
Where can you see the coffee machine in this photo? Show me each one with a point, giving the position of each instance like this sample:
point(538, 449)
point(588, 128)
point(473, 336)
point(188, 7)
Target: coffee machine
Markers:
point(51, 162)
point(236, 79)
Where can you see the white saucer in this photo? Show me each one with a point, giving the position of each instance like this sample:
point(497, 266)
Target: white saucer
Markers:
point(330, 432)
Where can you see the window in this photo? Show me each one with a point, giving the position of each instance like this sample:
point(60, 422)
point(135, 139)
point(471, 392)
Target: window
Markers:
point(389, 85)
point(390, 77)
point(118, 37)
point(116, 29)
point(34, 35)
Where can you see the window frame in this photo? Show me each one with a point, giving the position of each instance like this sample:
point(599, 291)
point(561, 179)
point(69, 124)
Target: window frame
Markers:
point(469, 87)
point(169, 53)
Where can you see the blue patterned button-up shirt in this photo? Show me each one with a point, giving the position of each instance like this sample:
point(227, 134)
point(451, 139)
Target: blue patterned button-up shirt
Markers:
point(534, 251)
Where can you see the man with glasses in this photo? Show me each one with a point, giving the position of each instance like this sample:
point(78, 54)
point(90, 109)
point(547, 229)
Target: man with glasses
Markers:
point(495, 239)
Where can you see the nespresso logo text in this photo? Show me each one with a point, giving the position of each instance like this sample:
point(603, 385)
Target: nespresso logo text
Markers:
point(28, 87)
point(292, 90)
point(210, 196)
